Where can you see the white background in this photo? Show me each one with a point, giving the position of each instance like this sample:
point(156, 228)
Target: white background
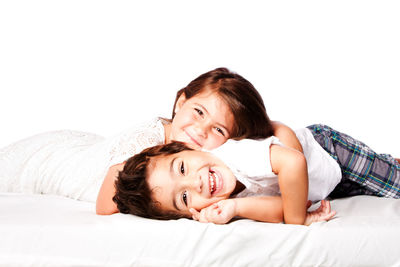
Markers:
point(102, 66)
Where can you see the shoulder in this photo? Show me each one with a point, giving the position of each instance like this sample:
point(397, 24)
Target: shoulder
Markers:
point(285, 157)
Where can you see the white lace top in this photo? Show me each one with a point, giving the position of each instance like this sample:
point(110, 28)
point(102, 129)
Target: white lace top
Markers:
point(71, 163)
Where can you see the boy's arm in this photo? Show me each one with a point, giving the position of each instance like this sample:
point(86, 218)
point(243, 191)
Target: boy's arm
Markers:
point(286, 135)
point(264, 209)
point(104, 203)
point(262, 158)
point(291, 167)
point(260, 208)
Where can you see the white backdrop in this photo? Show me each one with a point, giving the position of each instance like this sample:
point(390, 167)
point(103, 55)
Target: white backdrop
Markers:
point(101, 66)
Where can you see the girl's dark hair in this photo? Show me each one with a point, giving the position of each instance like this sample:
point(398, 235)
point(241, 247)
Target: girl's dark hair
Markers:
point(133, 194)
point(244, 101)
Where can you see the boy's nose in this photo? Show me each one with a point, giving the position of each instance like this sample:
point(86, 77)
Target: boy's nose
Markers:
point(195, 183)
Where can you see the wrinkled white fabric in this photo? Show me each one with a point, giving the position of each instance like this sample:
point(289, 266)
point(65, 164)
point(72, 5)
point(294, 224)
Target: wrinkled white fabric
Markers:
point(71, 163)
point(43, 230)
point(250, 162)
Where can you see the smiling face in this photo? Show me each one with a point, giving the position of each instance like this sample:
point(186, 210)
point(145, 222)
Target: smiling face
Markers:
point(189, 179)
point(203, 121)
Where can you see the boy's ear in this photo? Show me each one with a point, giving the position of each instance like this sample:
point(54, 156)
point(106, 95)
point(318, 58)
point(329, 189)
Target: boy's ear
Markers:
point(179, 103)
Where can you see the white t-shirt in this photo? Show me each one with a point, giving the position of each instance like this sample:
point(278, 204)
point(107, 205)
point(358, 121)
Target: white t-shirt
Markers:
point(250, 162)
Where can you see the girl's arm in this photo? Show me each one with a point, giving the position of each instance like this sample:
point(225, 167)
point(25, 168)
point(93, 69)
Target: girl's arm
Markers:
point(286, 135)
point(104, 203)
point(291, 167)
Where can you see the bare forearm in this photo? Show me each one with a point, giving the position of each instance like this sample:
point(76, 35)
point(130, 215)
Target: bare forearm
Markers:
point(104, 203)
point(294, 199)
point(264, 209)
point(293, 182)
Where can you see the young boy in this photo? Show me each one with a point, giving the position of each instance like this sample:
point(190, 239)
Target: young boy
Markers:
point(173, 181)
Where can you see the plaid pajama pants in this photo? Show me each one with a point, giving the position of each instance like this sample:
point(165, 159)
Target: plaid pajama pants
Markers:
point(364, 172)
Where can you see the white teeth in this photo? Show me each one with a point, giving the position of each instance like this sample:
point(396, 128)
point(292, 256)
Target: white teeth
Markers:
point(216, 178)
point(211, 177)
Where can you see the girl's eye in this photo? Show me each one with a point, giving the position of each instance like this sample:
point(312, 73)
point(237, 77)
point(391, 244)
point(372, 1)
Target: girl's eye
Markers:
point(182, 169)
point(219, 130)
point(184, 197)
point(199, 111)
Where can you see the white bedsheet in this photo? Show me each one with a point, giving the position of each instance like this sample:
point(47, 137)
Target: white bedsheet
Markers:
point(39, 230)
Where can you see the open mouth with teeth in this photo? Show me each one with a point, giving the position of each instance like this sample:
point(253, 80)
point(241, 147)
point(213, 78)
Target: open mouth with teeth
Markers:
point(214, 180)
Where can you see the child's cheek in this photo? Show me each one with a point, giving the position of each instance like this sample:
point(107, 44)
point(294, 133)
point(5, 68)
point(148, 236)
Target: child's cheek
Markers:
point(195, 115)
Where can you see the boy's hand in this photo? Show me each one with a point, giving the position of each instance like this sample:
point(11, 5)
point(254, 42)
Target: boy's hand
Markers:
point(219, 213)
point(323, 213)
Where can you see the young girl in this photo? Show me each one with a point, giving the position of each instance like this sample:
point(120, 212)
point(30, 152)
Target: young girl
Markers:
point(214, 107)
point(173, 181)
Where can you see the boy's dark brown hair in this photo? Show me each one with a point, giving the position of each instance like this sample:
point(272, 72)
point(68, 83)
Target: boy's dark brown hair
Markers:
point(244, 101)
point(133, 194)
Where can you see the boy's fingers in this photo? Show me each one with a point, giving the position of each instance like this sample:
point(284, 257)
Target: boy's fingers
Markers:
point(328, 206)
point(203, 216)
point(193, 211)
point(329, 215)
point(320, 208)
point(325, 207)
point(332, 214)
point(195, 214)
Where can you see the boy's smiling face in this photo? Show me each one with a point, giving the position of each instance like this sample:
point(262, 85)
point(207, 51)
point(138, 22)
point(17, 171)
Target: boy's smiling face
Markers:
point(189, 179)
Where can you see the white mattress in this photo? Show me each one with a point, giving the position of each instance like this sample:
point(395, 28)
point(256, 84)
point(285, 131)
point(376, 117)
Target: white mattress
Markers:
point(38, 230)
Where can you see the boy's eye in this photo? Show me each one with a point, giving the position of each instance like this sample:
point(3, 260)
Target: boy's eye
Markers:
point(182, 169)
point(199, 111)
point(184, 197)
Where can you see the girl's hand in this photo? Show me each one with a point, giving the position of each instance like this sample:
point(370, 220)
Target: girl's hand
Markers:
point(219, 213)
point(323, 213)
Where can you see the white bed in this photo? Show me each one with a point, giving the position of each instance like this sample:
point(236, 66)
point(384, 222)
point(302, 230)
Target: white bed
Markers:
point(42, 230)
